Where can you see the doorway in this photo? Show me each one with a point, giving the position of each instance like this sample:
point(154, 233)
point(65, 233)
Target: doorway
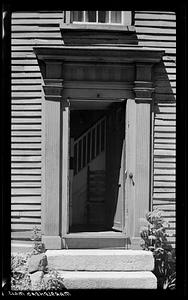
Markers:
point(96, 168)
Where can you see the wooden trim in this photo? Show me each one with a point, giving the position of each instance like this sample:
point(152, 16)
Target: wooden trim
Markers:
point(52, 242)
point(96, 27)
point(138, 130)
point(52, 168)
point(142, 163)
point(130, 166)
point(109, 54)
point(65, 178)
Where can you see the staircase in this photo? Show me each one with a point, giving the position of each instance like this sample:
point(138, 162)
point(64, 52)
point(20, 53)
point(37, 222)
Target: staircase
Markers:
point(89, 145)
point(88, 183)
point(104, 269)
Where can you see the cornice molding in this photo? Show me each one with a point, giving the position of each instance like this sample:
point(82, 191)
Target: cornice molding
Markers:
point(101, 54)
point(140, 58)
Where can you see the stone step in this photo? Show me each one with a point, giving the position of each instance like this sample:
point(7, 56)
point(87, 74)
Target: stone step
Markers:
point(100, 260)
point(108, 280)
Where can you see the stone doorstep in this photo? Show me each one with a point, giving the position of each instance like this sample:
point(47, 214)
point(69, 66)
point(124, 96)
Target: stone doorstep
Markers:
point(100, 260)
point(108, 280)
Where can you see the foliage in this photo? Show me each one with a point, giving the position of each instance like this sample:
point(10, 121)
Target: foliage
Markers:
point(38, 245)
point(20, 279)
point(53, 281)
point(155, 240)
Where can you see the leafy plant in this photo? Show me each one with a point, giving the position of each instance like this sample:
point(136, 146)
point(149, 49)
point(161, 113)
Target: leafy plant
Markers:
point(53, 281)
point(20, 279)
point(38, 245)
point(155, 239)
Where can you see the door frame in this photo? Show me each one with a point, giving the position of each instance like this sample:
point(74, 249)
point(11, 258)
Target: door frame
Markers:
point(85, 239)
point(137, 88)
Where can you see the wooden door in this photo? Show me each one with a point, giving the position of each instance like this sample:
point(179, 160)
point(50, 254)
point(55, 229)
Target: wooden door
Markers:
point(116, 167)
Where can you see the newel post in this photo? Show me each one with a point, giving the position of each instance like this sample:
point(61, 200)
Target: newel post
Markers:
point(143, 99)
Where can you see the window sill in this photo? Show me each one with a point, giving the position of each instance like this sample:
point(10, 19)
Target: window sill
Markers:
point(97, 27)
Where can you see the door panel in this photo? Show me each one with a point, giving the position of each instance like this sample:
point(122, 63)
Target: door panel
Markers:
point(120, 159)
point(115, 167)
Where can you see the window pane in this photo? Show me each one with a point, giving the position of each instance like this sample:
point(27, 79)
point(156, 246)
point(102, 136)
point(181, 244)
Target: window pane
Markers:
point(91, 16)
point(115, 16)
point(103, 16)
point(78, 16)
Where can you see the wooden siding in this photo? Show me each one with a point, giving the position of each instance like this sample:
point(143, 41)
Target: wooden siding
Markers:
point(157, 30)
point(28, 29)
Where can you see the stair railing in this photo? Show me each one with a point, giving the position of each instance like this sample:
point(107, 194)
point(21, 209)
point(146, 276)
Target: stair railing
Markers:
point(89, 145)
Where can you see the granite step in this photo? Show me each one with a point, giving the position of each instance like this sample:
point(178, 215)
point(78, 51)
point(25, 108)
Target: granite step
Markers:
point(100, 260)
point(108, 280)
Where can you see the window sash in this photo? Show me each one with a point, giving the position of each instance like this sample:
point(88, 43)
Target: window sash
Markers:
point(111, 17)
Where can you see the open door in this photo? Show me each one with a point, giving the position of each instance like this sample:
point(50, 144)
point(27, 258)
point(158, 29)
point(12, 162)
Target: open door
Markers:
point(115, 197)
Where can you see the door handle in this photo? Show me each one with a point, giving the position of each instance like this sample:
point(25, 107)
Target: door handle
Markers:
point(131, 177)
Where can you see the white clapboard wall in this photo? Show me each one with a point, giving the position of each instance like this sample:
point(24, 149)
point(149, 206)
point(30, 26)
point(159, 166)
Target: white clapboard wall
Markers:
point(155, 30)
point(29, 29)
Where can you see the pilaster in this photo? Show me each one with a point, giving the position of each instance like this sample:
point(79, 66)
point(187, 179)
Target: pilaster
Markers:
point(143, 90)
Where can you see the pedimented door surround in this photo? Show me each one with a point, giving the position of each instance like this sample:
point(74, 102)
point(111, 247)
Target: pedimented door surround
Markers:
point(91, 73)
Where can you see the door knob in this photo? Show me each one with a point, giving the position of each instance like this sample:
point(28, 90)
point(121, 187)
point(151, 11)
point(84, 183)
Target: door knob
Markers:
point(131, 177)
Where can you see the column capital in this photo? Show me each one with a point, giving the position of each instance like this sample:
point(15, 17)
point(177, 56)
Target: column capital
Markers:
point(143, 91)
point(53, 89)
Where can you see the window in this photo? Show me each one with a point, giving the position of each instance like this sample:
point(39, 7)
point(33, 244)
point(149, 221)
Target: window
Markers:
point(99, 16)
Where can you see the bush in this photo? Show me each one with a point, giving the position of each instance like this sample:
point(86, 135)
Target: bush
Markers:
point(36, 238)
point(52, 281)
point(20, 279)
point(155, 240)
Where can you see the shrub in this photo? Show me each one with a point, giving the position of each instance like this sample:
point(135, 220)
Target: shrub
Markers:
point(53, 281)
point(38, 245)
point(155, 239)
point(20, 279)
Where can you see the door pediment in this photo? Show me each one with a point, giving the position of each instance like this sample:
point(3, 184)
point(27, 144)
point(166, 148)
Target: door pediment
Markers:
point(67, 71)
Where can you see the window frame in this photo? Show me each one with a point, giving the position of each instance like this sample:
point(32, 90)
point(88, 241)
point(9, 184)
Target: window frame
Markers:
point(126, 20)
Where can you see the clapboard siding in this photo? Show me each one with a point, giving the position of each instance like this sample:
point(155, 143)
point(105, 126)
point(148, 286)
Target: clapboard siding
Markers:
point(29, 29)
point(157, 30)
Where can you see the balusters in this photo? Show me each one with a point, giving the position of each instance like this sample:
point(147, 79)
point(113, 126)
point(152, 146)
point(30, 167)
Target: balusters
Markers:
point(89, 145)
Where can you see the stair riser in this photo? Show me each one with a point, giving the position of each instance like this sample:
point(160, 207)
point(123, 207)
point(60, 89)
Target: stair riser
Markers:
point(109, 280)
